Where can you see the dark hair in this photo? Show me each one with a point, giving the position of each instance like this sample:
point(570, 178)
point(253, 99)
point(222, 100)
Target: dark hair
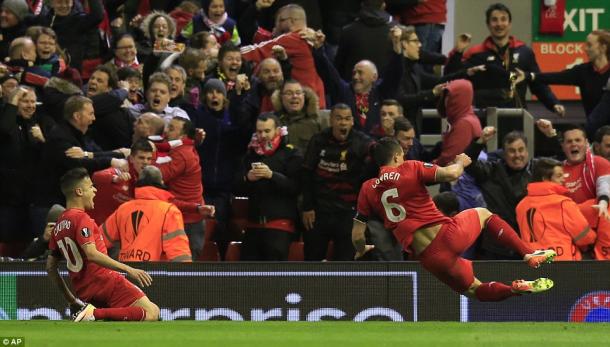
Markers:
point(141, 145)
point(128, 72)
point(269, 115)
point(205, 6)
point(385, 149)
point(200, 39)
point(600, 133)
point(570, 127)
point(447, 203)
point(226, 48)
point(497, 7)
point(75, 103)
point(188, 129)
point(402, 124)
point(190, 58)
point(113, 80)
point(340, 106)
point(116, 40)
point(393, 102)
point(543, 170)
point(71, 179)
point(512, 137)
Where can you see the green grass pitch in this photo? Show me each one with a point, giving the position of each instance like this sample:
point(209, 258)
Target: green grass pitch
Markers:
point(295, 334)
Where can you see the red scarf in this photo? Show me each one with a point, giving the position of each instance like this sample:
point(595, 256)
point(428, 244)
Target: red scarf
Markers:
point(265, 148)
point(119, 63)
point(588, 172)
point(362, 107)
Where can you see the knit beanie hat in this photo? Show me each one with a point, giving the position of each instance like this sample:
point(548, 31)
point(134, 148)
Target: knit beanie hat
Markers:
point(215, 84)
point(18, 7)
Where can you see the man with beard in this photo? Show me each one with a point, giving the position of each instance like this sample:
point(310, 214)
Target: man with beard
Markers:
point(269, 77)
point(601, 142)
point(269, 177)
point(334, 169)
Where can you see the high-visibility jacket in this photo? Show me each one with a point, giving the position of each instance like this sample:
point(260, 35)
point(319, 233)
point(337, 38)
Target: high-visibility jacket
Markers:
point(148, 228)
point(548, 219)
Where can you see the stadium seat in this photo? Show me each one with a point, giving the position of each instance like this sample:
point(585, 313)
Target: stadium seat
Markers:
point(210, 229)
point(209, 252)
point(233, 251)
point(239, 218)
point(330, 251)
point(12, 249)
point(295, 252)
point(239, 207)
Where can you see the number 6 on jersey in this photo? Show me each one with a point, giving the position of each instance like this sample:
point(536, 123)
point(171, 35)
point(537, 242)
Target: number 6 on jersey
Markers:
point(395, 212)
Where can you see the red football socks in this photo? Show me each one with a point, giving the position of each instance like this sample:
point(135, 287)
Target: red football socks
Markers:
point(132, 313)
point(505, 235)
point(494, 291)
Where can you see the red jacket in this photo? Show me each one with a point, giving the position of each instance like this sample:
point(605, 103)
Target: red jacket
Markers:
point(300, 55)
point(428, 12)
point(110, 195)
point(548, 219)
point(183, 177)
point(464, 124)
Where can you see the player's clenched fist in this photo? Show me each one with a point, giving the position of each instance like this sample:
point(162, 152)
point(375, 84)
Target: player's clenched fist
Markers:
point(464, 159)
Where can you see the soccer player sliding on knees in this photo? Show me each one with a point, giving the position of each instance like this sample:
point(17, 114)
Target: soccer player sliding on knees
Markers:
point(399, 196)
point(79, 240)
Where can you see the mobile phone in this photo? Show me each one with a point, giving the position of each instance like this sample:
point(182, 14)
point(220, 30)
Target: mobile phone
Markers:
point(256, 165)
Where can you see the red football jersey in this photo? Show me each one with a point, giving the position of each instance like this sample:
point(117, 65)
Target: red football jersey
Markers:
point(579, 188)
point(399, 196)
point(74, 229)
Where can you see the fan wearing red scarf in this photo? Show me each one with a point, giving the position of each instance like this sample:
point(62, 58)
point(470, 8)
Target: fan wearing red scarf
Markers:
point(588, 182)
point(270, 176)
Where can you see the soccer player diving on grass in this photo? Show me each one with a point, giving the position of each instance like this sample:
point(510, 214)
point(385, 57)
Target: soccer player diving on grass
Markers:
point(399, 196)
point(92, 272)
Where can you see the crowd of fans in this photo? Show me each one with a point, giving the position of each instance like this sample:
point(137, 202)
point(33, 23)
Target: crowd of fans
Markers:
point(177, 107)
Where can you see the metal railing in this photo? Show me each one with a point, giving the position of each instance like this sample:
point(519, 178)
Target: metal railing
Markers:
point(492, 114)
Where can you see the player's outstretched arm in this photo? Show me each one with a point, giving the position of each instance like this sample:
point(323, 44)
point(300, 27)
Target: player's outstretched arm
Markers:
point(453, 171)
point(53, 272)
point(142, 278)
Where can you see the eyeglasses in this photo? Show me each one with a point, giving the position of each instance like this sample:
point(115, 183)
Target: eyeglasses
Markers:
point(414, 40)
point(291, 93)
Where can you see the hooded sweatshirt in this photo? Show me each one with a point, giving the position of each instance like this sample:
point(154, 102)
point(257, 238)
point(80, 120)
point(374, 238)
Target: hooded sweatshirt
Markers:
point(464, 126)
point(548, 219)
